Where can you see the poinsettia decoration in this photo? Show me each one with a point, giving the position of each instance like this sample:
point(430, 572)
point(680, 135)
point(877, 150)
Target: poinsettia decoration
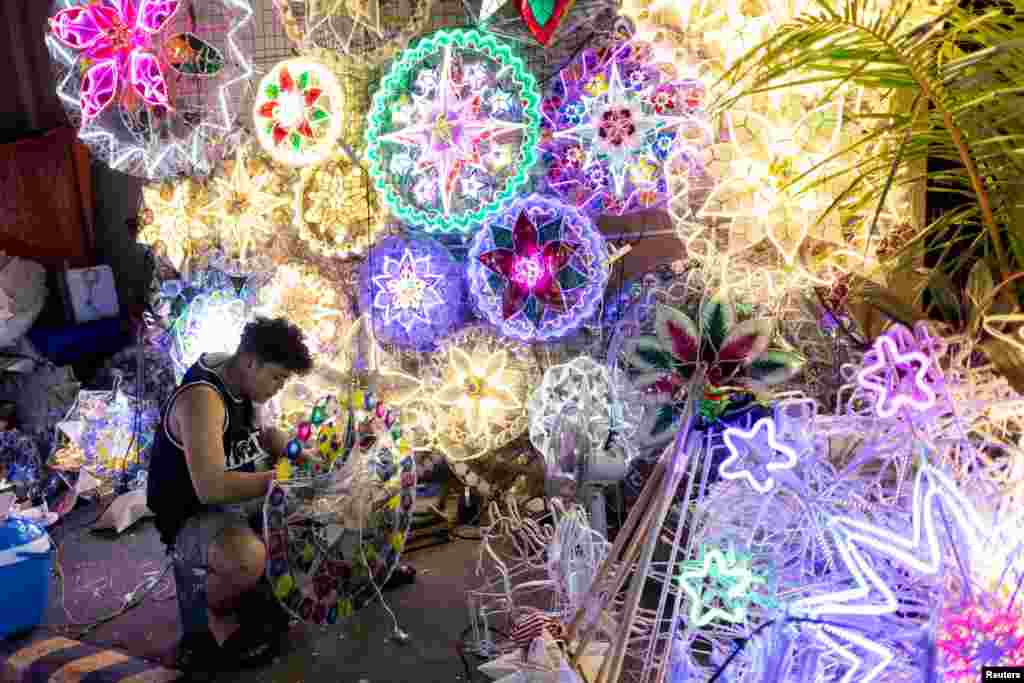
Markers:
point(543, 17)
point(117, 40)
point(530, 269)
point(736, 357)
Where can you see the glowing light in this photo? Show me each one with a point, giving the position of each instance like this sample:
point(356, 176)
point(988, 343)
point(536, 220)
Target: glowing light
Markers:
point(213, 323)
point(608, 141)
point(745, 445)
point(731, 579)
point(298, 112)
point(890, 375)
point(413, 289)
point(478, 387)
point(538, 269)
point(171, 218)
point(338, 212)
point(130, 117)
point(424, 167)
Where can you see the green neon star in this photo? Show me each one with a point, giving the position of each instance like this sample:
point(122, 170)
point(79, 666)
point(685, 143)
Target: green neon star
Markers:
point(731, 580)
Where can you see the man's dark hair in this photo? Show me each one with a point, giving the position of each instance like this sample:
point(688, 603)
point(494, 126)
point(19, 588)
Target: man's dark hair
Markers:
point(277, 341)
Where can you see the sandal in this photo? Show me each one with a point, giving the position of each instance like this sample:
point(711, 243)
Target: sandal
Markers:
point(402, 575)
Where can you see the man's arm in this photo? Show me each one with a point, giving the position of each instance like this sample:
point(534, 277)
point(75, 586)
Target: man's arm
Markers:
point(199, 413)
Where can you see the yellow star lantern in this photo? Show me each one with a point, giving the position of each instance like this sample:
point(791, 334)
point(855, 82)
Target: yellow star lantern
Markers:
point(478, 386)
point(171, 219)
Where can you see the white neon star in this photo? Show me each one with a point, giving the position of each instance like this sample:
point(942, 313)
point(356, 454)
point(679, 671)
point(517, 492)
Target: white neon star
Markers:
point(746, 444)
point(616, 99)
point(448, 131)
point(407, 290)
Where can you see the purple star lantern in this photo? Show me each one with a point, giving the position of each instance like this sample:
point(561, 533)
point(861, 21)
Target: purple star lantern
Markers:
point(901, 372)
point(538, 270)
point(413, 290)
point(615, 124)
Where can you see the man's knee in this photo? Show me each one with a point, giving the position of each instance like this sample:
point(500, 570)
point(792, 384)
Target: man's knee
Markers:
point(239, 552)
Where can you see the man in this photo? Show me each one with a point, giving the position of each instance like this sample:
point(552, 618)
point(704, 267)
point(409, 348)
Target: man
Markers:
point(211, 466)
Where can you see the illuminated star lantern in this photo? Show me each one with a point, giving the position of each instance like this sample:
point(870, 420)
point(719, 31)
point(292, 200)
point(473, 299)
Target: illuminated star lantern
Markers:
point(901, 379)
point(718, 586)
point(297, 112)
point(151, 97)
point(452, 132)
point(171, 216)
point(413, 291)
point(749, 448)
point(478, 387)
point(244, 206)
point(538, 269)
point(610, 134)
point(212, 323)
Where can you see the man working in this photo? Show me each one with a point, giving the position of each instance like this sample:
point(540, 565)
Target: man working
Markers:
point(211, 466)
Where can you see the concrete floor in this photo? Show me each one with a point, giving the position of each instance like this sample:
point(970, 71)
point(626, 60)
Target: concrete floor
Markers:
point(100, 569)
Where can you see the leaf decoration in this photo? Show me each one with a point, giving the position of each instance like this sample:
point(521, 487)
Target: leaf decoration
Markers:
point(190, 55)
point(1008, 359)
point(746, 341)
point(676, 331)
point(773, 367)
point(717, 317)
point(543, 17)
point(648, 354)
point(666, 417)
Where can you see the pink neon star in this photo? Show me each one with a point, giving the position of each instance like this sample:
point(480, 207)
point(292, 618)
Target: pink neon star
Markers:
point(900, 379)
point(115, 36)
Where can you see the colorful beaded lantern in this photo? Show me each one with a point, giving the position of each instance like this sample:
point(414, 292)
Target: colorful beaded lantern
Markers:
point(413, 291)
point(613, 123)
point(334, 539)
point(538, 269)
point(154, 87)
point(298, 112)
point(453, 130)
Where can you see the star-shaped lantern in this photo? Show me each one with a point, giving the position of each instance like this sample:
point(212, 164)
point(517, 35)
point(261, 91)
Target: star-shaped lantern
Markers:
point(478, 386)
point(749, 449)
point(296, 112)
point(413, 291)
point(900, 374)
point(539, 277)
point(426, 144)
point(610, 133)
point(718, 586)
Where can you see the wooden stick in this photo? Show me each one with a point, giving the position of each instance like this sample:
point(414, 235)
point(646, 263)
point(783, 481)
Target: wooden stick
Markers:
point(636, 516)
point(613, 666)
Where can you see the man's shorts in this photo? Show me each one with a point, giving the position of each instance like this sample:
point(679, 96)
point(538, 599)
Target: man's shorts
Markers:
point(191, 555)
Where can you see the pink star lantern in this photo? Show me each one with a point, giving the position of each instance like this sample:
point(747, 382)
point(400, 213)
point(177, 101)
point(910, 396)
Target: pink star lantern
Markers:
point(899, 373)
point(115, 36)
point(747, 445)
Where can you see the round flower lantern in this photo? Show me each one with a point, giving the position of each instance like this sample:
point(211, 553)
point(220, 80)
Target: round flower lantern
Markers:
point(338, 212)
point(538, 270)
point(298, 112)
point(453, 131)
point(413, 291)
point(615, 122)
point(154, 87)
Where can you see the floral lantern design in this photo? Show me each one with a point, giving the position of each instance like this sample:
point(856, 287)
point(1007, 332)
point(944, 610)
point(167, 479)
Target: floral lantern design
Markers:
point(615, 122)
point(298, 112)
point(538, 270)
point(172, 220)
point(154, 86)
point(413, 291)
point(317, 306)
point(338, 212)
point(453, 131)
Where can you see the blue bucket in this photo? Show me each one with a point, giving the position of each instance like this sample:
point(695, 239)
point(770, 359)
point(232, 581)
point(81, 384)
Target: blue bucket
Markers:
point(26, 559)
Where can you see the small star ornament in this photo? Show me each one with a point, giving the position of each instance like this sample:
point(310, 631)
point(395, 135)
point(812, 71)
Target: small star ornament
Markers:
point(755, 451)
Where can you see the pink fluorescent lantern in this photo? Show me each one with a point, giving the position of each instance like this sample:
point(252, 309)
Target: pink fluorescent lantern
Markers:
point(115, 37)
point(900, 373)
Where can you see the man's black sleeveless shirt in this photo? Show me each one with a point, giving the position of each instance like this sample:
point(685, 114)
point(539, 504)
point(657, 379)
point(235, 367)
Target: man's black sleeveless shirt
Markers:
point(170, 493)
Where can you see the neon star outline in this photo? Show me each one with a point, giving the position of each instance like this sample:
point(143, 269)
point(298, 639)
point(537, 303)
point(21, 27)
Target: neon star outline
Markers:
point(421, 135)
point(891, 402)
point(732, 433)
point(393, 270)
point(734, 568)
point(851, 535)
